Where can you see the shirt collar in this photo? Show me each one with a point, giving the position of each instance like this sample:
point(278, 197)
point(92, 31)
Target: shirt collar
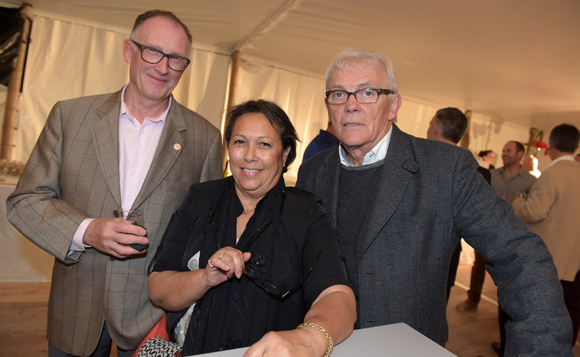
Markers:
point(522, 171)
point(561, 158)
point(125, 110)
point(377, 153)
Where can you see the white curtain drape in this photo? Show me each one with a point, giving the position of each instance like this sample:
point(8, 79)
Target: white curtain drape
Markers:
point(67, 59)
point(301, 96)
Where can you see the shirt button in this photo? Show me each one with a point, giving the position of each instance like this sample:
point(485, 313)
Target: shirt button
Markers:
point(136, 163)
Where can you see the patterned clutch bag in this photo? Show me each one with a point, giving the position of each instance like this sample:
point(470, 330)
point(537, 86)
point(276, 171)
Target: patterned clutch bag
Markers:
point(159, 347)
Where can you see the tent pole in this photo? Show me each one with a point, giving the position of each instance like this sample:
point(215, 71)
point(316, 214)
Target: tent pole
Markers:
point(14, 82)
point(236, 57)
point(465, 139)
point(533, 136)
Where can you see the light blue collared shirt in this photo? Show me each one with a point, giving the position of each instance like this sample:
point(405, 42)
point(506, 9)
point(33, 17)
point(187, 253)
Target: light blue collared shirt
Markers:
point(378, 153)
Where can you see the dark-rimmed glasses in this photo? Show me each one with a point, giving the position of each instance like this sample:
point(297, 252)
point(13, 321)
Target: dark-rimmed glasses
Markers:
point(252, 274)
point(270, 288)
point(363, 95)
point(153, 56)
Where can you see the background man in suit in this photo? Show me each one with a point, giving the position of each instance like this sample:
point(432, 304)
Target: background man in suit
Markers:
point(137, 148)
point(551, 211)
point(448, 126)
point(402, 203)
point(324, 140)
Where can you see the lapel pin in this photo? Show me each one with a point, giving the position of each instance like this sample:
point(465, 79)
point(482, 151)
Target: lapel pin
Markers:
point(177, 147)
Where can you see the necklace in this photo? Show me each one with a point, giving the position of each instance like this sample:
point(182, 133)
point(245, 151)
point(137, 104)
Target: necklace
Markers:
point(248, 211)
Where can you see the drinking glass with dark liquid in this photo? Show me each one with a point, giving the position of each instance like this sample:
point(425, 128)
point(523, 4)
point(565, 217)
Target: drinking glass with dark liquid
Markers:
point(136, 216)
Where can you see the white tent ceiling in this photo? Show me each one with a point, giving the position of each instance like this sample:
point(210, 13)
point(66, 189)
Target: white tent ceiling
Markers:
point(512, 60)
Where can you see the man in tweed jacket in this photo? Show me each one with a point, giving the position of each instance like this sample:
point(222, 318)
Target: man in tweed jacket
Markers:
point(401, 204)
point(136, 149)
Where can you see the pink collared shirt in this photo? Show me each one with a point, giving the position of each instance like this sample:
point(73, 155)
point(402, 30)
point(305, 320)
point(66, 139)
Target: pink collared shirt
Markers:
point(137, 145)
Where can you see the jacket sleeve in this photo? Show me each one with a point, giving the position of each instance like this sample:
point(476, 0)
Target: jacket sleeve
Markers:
point(540, 200)
point(518, 261)
point(305, 180)
point(35, 208)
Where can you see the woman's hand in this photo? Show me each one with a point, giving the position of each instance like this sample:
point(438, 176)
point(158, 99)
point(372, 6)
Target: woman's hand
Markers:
point(223, 265)
point(176, 290)
point(309, 341)
point(303, 342)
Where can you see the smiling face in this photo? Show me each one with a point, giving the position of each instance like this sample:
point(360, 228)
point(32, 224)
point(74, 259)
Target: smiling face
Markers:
point(490, 158)
point(151, 84)
point(510, 155)
point(256, 155)
point(361, 126)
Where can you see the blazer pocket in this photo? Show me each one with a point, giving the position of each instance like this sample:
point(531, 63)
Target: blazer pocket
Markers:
point(420, 220)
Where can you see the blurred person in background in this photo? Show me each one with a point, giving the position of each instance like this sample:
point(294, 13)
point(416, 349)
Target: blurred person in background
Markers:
point(486, 159)
point(551, 211)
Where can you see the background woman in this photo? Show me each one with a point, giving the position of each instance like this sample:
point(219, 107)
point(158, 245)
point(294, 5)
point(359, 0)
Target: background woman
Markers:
point(486, 159)
point(252, 255)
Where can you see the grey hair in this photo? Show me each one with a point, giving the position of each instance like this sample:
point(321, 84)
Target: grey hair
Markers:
point(352, 56)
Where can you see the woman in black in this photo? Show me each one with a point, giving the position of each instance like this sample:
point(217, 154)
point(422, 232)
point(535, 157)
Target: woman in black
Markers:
point(245, 255)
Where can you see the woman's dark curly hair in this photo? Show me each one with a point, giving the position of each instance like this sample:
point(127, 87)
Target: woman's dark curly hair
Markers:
point(275, 115)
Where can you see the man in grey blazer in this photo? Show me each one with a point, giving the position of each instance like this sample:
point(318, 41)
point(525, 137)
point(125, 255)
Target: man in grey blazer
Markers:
point(402, 203)
point(134, 149)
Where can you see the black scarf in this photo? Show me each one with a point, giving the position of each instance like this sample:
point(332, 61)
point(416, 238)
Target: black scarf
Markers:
point(235, 313)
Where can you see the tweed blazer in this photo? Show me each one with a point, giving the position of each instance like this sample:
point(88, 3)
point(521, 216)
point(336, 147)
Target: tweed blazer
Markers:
point(73, 174)
point(551, 211)
point(429, 196)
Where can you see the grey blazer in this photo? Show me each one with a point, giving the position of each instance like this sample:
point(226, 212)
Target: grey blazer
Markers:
point(429, 196)
point(73, 174)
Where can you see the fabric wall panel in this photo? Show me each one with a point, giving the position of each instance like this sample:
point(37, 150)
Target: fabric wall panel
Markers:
point(203, 86)
point(67, 59)
point(301, 96)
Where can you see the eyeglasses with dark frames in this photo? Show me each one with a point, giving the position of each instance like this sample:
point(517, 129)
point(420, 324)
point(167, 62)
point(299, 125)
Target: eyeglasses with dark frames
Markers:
point(270, 288)
point(153, 56)
point(363, 95)
point(252, 274)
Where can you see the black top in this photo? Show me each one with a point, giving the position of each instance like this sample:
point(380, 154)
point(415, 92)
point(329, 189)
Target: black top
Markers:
point(353, 206)
point(294, 229)
point(486, 174)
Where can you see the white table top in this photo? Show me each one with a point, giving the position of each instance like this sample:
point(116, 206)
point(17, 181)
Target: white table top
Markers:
point(398, 340)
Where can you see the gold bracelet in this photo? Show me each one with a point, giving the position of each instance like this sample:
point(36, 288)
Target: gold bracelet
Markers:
point(321, 329)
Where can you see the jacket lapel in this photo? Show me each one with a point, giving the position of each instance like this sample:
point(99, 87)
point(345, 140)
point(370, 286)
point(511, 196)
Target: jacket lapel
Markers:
point(166, 153)
point(396, 173)
point(329, 177)
point(106, 139)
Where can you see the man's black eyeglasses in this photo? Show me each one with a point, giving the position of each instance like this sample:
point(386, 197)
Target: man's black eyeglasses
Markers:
point(152, 55)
